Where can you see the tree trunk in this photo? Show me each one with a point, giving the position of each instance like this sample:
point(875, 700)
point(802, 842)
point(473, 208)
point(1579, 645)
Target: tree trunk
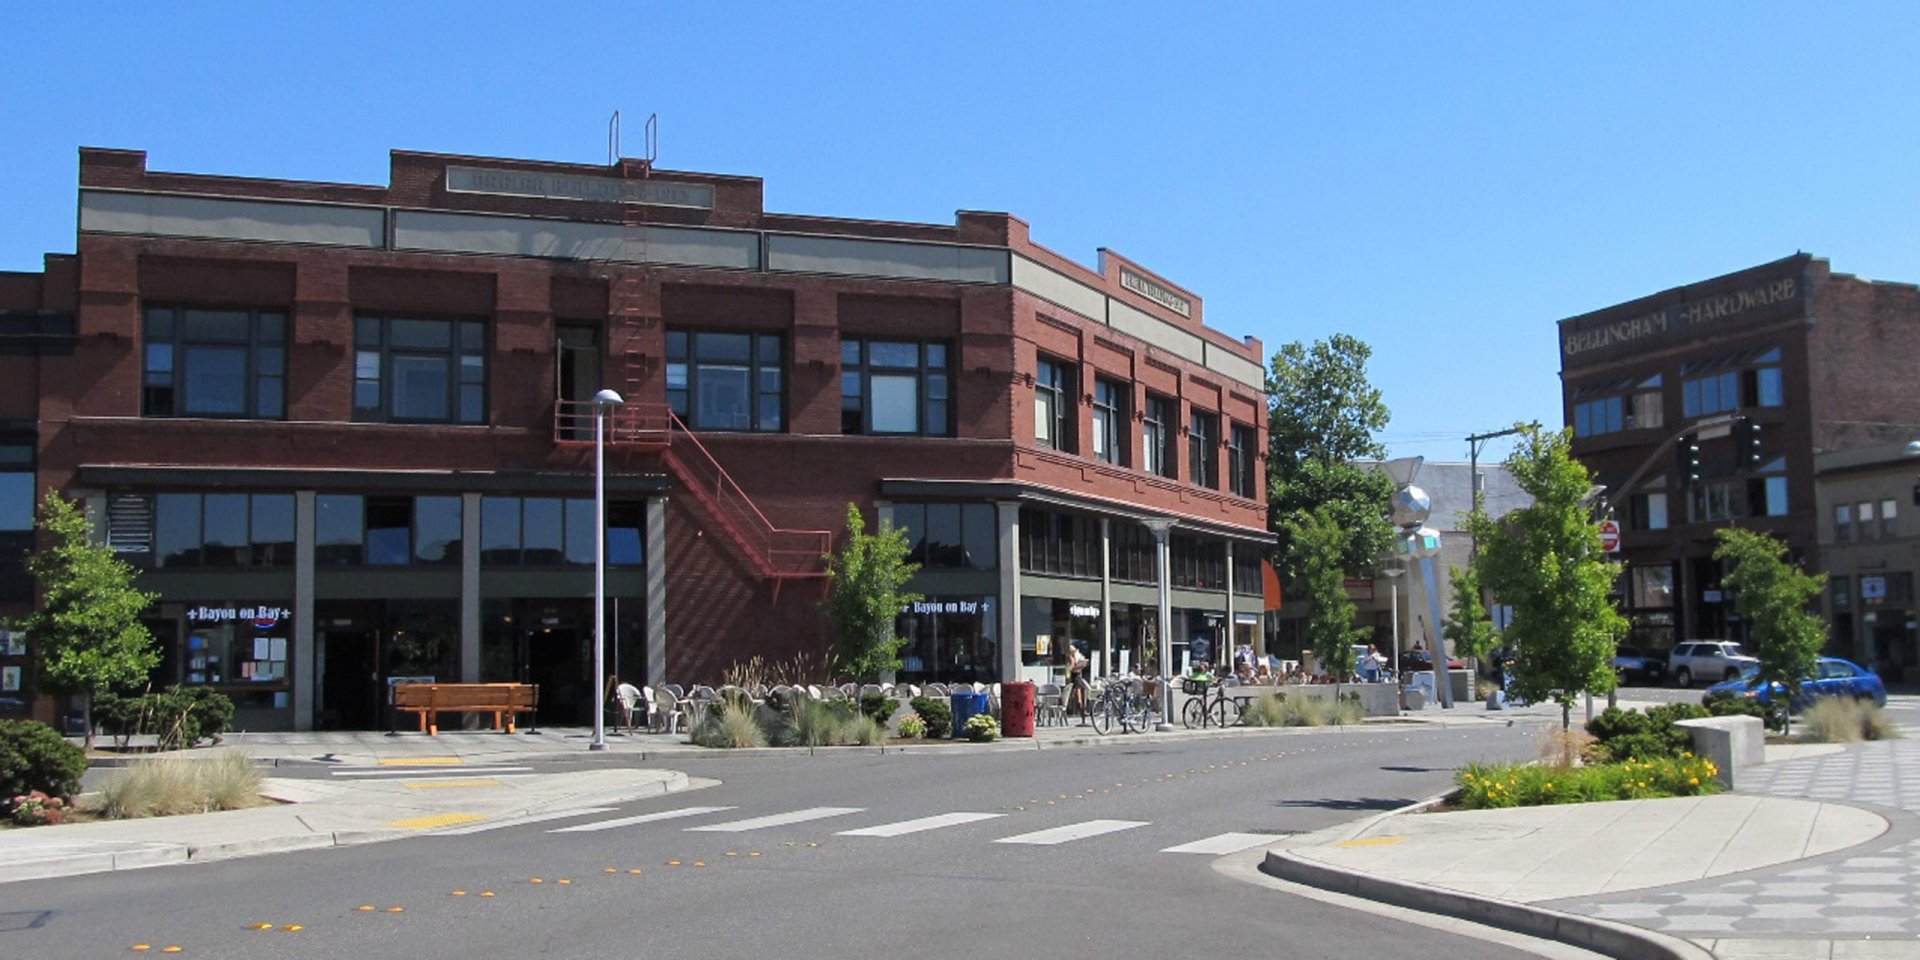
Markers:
point(86, 716)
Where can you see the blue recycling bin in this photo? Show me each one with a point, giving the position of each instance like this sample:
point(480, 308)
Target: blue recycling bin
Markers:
point(965, 705)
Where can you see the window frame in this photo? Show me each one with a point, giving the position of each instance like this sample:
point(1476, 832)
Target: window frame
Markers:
point(454, 358)
point(933, 416)
point(1110, 402)
point(1203, 447)
point(1156, 435)
point(258, 370)
point(1241, 459)
point(1053, 404)
point(683, 351)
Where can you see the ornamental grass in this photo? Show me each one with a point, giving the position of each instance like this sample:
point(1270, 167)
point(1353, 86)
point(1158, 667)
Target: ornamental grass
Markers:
point(1487, 786)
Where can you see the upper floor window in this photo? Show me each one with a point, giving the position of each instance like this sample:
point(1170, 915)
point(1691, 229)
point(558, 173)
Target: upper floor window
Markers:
point(1053, 405)
point(1864, 511)
point(894, 387)
point(1763, 383)
point(1711, 394)
point(1110, 420)
point(1710, 501)
point(548, 531)
point(1595, 417)
point(1203, 442)
point(1241, 473)
point(1648, 408)
point(1156, 436)
point(726, 381)
point(215, 363)
point(1649, 510)
point(1889, 518)
point(418, 370)
point(1842, 523)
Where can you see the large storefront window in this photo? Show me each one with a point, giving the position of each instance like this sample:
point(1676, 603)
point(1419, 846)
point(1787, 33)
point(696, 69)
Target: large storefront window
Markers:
point(1134, 553)
point(186, 530)
point(241, 648)
point(352, 530)
point(950, 640)
point(1198, 564)
point(1061, 544)
point(950, 535)
point(1048, 626)
point(546, 531)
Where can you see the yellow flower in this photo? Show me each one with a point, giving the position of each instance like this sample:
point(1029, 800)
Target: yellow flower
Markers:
point(1693, 781)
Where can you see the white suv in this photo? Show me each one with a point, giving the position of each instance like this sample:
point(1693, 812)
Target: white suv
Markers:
point(1712, 660)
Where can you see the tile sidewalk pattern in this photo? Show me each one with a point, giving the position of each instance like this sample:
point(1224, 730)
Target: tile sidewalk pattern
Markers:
point(1873, 890)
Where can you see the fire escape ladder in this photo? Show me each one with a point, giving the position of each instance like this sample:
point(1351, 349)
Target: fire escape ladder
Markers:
point(779, 554)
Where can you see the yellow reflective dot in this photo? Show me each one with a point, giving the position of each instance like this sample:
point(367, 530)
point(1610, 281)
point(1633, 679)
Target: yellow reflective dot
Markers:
point(565, 882)
point(699, 863)
point(733, 853)
point(141, 947)
point(364, 907)
point(537, 880)
point(459, 893)
point(396, 909)
point(173, 949)
point(293, 928)
point(673, 863)
point(262, 926)
point(486, 893)
point(609, 870)
point(754, 853)
point(635, 871)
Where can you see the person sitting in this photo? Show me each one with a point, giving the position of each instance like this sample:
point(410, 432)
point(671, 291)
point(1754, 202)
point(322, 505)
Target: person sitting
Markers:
point(629, 697)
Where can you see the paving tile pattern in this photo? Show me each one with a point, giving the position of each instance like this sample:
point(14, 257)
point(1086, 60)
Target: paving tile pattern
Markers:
point(1872, 891)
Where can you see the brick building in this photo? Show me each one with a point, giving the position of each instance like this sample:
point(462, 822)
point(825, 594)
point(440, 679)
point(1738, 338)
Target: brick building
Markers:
point(346, 431)
point(1706, 406)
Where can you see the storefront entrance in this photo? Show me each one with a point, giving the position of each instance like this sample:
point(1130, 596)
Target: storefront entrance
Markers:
point(351, 694)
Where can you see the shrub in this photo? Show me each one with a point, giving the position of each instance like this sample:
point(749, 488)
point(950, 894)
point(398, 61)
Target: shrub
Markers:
point(1303, 711)
point(178, 716)
point(982, 727)
point(879, 706)
point(167, 786)
point(1625, 735)
point(33, 756)
point(1266, 710)
point(732, 725)
point(1841, 720)
point(1347, 710)
point(937, 713)
point(866, 731)
point(1487, 786)
point(912, 727)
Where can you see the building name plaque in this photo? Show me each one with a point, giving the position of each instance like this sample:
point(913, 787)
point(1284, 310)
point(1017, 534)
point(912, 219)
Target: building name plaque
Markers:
point(560, 186)
point(1155, 292)
point(1680, 316)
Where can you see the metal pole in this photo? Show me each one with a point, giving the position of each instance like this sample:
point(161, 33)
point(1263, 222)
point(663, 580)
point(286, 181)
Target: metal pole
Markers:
point(601, 401)
point(1162, 541)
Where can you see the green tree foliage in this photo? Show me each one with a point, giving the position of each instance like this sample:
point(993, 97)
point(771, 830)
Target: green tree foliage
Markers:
point(87, 630)
point(1545, 562)
point(867, 578)
point(1322, 417)
point(1773, 596)
point(1330, 628)
point(1468, 629)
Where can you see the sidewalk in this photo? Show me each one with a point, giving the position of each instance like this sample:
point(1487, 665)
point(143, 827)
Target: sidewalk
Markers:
point(1791, 866)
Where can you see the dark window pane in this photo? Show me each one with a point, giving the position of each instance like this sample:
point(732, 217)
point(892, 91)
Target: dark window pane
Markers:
point(769, 412)
point(676, 345)
point(16, 501)
point(723, 346)
point(272, 401)
point(911, 519)
point(723, 393)
point(273, 361)
point(273, 328)
point(225, 525)
point(366, 331)
point(436, 523)
point(943, 535)
point(389, 531)
point(473, 403)
point(767, 350)
point(272, 529)
point(883, 354)
point(625, 544)
point(850, 352)
point(979, 536)
point(159, 358)
point(229, 325)
point(176, 530)
point(338, 528)
point(215, 380)
point(473, 336)
point(160, 324)
point(419, 334)
point(579, 531)
point(500, 531)
point(419, 387)
point(936, 356)
point(544, 531)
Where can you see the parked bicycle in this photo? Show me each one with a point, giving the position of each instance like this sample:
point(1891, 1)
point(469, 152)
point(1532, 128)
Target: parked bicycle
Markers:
point(1125, 702)
point(1208, 704)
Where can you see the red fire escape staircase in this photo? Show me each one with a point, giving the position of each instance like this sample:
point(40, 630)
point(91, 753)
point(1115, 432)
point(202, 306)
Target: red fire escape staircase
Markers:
point(776, 553)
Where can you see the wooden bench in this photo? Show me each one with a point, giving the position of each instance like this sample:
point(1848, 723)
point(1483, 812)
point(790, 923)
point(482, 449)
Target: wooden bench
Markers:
point(429, 700)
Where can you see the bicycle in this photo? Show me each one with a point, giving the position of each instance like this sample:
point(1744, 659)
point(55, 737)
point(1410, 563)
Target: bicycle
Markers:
point(1123, 701)
point(1208, 703)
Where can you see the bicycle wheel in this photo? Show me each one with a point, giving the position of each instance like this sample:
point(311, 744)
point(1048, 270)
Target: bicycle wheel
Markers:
point(1193, 714)
point(1103, 714)
point(1227, 712)
point(1139, 715)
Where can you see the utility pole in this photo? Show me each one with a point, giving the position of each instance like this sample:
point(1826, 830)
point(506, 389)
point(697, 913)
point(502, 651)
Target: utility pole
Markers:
point(1473, 476)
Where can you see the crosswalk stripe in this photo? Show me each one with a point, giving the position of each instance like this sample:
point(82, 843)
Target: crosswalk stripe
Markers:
point(642, 818)
point(1073, 831)
point(915, 826)
point(438, 774)
point(520, 821)
point(1224, 844)
point(778, 819)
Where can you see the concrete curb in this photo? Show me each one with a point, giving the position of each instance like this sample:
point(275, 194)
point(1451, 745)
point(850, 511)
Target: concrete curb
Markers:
point(1601, 936)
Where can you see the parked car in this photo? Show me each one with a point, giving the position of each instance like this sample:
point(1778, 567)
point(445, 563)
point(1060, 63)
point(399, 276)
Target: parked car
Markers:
point(1633, 663)
point(1413, 661)
point(1832, 677)
point(1707, 659)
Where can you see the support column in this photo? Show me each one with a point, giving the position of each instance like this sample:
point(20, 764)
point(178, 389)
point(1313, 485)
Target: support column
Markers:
point(1106, 595)
point(1008, 514)
point(1233, 628)
point(656, 566)
point(469, 588)
point(306, 682)
point(1163, 576)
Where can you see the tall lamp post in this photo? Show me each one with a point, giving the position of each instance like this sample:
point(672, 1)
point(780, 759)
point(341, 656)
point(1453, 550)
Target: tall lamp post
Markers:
point(602, 401)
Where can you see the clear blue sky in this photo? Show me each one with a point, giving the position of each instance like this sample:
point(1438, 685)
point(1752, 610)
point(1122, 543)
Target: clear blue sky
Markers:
point(1443, 181)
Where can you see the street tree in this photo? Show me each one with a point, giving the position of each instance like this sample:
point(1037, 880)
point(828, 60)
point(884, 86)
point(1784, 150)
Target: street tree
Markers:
point(868, 579)
point(1544, 561)
point(1468, 629)
point(1773, 596)
point(1330, 629)
point(86, 631)
point(1322, 417)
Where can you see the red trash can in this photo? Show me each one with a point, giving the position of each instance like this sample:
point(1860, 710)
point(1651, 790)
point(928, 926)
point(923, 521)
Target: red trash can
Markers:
point(1016, 708)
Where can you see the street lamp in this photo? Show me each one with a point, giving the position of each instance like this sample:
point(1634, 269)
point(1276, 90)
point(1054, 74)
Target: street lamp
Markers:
point(1393, 575)
point(601, 402)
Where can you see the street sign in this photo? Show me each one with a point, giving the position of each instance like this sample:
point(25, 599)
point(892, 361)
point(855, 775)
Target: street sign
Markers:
point(1610, 536)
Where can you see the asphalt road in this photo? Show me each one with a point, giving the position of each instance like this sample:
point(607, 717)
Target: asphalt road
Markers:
point(724, 883)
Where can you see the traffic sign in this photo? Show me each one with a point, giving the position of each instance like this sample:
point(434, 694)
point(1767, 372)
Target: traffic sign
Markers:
point(1610, 536)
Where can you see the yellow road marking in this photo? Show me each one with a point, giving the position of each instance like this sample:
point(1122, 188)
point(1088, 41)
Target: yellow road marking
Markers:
point(422, 762)
point(1372, 842)
point(450, 784)
point(435, 821)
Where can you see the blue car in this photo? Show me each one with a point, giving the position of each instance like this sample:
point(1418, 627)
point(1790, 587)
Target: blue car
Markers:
point(1832, 677)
